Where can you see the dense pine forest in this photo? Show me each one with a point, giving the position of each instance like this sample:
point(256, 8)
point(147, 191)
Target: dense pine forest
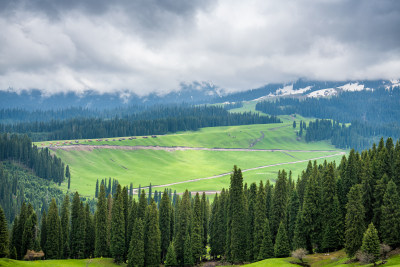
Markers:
point(160, 120)
point(372, 114)
point(353, 205)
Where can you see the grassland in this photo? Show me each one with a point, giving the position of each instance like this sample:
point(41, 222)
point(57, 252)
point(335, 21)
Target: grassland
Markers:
point(190, 169)
point(97, 262)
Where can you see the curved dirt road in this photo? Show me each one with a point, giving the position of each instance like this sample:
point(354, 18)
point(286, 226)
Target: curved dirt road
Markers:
point(245, 170)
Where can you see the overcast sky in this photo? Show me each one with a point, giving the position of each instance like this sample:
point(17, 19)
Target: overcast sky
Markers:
point(154, 45)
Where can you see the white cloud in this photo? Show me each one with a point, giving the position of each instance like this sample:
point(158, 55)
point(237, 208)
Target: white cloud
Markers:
point(234, 44)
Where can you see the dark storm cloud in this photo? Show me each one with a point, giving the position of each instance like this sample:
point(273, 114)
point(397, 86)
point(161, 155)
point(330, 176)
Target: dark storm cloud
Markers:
point(151, 45)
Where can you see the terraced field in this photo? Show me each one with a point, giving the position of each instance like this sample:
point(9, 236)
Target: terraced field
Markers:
point(198, 161)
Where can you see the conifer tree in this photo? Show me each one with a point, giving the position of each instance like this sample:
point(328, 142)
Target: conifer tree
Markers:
point(96, 193)
point(281, 248)
point(152, 236)
point(188, 253)
point(311, 211)
point(77, 235)
point(131, 220)
point(300, 238)
point(4, 241)
point(136, 248)
point(331, 212)
point(43, 232)
point(101, 247)
point(259, 221)
point(279, 202)
point(65, 227)
point(267, 248)
point(251, 203)
point(53, 236)
point(237, 216)
point(183, 211)
point(293, 209)
point(379, 193)
point(205, 209)
point(29, 237)
point(142, 205)
point(370, 242)
point(89, 233)
point(125, 209)
point(109, 219)
point(355, 226)
point(20, 230)
point(118, 227)
point(165, 223)
point(390, 221)
point(68, 176)
point(171, 256)
point(197, 223)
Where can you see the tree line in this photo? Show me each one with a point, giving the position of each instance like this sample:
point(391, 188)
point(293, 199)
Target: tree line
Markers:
point(159, 120)
point(354, 205)
point(19, 148)
point(372, 114)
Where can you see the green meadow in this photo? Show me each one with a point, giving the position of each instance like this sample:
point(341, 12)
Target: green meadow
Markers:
point(160, 167)
point(97, 262)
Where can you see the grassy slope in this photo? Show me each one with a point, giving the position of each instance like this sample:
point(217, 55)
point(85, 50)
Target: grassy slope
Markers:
point(334, 259)
point(162, 167)
point(97, 262)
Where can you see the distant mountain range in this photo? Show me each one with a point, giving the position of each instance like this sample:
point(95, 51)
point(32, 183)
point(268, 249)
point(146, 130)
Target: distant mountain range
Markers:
point(193, 93)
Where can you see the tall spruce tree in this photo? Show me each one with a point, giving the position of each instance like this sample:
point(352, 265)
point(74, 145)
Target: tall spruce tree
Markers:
point(197, 225)
point(89, 233)
point(101, 246)
point(77, 234)
point(43, 232)
point(237, 215)
point(136, 248)
point(29, 236)
point(370, 242)
point(118, 227)
point(65, 227)
point(251, 203)
point(188, 253)
point(279, 203)
point(355, 225)
point(312, 211)
point(293, 209)
point(182, 225)
point(68, 176)
point(267, 248)
point(53, 236)
point(152, 236)
point(171, 256)
point(259, 221)
point(4, 241)
point(281, 248)
point(330, 212)
point(390, 221)
point(165, 223)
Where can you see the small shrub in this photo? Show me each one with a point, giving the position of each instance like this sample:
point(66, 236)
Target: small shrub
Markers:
point(299, 253)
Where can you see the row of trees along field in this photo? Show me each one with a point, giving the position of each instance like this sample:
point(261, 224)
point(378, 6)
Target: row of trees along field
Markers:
point(354, 206)
point(159, 120)
point(19, 148)
point(372, 114)
point(356, 135)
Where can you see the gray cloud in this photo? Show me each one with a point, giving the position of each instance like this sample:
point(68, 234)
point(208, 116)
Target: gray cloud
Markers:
point(154, 45)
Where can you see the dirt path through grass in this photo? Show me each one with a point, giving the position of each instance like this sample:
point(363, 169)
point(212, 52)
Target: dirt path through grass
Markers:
point(176, 148)
point(245, 170)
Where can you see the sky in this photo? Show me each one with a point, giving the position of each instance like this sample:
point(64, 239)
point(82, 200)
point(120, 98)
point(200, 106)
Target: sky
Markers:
point(148, 46)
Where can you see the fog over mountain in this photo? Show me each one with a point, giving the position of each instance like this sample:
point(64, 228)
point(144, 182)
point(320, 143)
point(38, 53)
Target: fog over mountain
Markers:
point(144, 46)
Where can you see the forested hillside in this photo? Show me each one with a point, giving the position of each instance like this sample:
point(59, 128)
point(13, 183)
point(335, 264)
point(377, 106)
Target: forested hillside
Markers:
point(159, 120)
point(372, 114)
point(353, 205)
